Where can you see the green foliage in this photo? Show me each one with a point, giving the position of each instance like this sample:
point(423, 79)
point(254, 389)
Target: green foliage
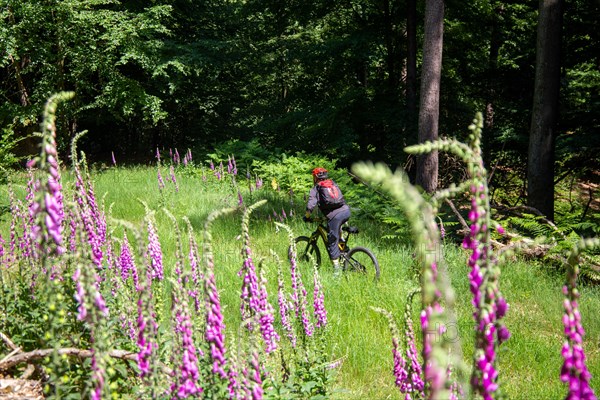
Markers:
point(294, 173)
point(8, 159)
point(245, 153)
point(308, 374)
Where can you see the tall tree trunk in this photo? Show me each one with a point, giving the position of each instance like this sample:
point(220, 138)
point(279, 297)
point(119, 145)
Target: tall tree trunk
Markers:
point(540, 166)
point(23, 95)
point(427, 164)
point(411, 63)
point(495, 43)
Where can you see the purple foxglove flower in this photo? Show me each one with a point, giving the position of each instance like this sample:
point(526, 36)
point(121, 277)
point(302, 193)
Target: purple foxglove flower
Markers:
point(487, 300)
point(173, 179)
point(299, 296)
point(2, 244)
point(80, 295)
point(266, 318)
point(215, 327)
point(284, 308)
point(161, 181)
point(400, 372)
point(574, 370)
point(155, 253)
point(114, 162)
point(257, 390)
point(319, 301)
point(127, 262)
point(188, 376)
point(157, 154)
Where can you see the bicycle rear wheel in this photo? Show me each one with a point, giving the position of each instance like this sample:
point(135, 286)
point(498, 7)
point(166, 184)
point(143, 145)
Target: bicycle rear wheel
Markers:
point(304, 248)
point(361, 259)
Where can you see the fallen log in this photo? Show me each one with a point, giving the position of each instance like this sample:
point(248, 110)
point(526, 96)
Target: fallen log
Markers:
point(28, 357)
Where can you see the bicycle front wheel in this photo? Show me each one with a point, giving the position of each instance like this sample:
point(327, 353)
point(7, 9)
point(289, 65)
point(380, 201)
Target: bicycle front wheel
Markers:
point(305, 248)
point(361, 259)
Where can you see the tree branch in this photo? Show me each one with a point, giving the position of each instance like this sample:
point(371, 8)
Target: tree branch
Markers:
point(8, 342)
point(460, 217)
point(19, 358)
point(29, 356)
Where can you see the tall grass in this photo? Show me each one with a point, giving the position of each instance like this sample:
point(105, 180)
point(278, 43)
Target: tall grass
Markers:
point(356, 335)
point(104, 266)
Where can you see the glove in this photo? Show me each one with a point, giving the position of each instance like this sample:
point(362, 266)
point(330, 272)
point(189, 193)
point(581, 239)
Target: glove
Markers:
point(306, 217)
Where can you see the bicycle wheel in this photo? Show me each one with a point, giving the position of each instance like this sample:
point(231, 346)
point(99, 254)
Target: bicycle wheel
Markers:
point(361, 259)
point(304, 247)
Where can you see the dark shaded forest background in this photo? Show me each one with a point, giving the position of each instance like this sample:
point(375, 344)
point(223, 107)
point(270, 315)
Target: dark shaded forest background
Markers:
point(259, 78)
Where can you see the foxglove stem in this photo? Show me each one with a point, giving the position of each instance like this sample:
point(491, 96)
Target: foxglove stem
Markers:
point(215, 327)
point(299, 294)
point(126, 261)
point(155, 269)
point(92, 309)
point(414, 369)
point(490, 306)
point(173, 179)
point(197, 277)
point(49, 213)
point(161, 181)
point(319, 300)
point(284, 305)
point(401, 375)
point(574, 370)
point(187, 376)
point(266, 318)
point(254, 298)
point(87, 218)
point(2, 244)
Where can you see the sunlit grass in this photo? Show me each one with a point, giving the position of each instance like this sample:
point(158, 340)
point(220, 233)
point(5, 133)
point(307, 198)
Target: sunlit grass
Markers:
point(529, 363)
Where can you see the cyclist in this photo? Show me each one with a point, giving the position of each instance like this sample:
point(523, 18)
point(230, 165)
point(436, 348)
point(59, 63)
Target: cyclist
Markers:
point(327, 195)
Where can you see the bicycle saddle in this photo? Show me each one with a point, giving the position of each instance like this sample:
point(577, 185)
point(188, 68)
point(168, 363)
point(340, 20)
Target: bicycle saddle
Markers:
point(350, 229)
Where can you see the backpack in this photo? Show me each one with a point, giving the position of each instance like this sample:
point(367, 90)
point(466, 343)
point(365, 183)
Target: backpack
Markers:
point(330, 195)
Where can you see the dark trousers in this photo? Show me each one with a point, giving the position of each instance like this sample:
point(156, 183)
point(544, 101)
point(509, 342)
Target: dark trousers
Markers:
point(335, 219)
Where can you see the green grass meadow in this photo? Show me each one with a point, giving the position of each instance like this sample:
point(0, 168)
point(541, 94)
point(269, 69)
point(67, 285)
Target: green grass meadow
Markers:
point(529, 363)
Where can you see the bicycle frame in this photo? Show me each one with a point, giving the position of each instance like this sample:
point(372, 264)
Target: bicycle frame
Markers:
point(322, 232)
point(353, 258)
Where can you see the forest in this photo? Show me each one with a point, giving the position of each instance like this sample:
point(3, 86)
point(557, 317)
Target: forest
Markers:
point(338, 78)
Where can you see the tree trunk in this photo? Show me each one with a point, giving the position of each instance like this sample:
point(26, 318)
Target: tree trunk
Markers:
point(23, 95)
point(389, 46)
point(427, 164)
point(411, 63)
point(540, 166)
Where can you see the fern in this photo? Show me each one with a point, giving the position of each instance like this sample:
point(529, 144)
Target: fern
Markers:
point(531, 225)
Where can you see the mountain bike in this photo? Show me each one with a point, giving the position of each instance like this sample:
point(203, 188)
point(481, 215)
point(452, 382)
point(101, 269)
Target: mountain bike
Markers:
point(355, 259)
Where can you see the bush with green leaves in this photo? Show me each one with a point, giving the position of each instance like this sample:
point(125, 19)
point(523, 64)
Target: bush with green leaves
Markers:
point(8, 158)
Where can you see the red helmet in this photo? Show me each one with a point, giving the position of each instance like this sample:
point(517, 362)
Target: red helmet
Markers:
point(320, 173)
